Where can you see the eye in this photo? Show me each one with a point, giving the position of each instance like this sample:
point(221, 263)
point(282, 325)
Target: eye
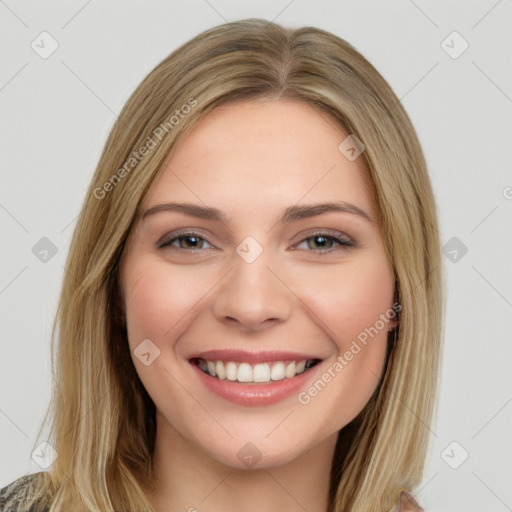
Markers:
point(326, 243)
point(185, 241)
point(321, 242)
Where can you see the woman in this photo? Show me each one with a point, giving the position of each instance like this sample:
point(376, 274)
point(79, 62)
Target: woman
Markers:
point(251, 314)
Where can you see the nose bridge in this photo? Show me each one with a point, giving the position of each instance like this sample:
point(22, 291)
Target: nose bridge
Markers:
point(251, 293)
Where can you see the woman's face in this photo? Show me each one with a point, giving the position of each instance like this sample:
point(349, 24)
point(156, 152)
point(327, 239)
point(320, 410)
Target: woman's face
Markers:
point(287, 304)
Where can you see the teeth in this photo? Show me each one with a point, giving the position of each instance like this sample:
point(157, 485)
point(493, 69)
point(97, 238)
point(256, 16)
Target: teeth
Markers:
point(290, 370)
point(231, 371)
point(278, 371)
point(211, 368)
point(244, 373)
point(261, 372)
point(220, 370)
point(300, 366)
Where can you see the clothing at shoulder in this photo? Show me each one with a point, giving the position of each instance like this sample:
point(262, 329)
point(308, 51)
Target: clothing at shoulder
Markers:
point(407, 503)
point(13, 494)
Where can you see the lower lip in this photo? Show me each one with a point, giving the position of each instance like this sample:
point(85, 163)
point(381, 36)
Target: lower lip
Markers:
point(256, 394)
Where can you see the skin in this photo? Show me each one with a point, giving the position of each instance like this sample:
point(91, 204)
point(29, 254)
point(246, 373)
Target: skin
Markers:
point(251, 160)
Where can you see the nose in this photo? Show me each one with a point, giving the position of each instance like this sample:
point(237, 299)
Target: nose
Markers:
point(252, 296)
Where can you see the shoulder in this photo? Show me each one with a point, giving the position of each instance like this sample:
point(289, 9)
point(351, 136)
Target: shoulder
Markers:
point(13, 494)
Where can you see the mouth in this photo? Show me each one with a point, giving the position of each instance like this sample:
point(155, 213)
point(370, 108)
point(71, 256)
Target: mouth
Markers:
point(247, 373)
point(254, 379)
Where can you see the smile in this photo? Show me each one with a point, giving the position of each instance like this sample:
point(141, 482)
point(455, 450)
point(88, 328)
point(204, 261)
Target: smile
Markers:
point(251, 378)
point(262, 372)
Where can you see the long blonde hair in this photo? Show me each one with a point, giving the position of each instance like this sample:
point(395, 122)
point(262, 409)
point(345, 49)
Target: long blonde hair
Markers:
point(102, 419)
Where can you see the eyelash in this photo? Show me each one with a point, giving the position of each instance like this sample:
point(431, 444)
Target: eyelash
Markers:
point(341, 242)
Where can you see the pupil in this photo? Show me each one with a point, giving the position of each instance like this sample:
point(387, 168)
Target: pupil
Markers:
point(187, 240)
point(321, 240)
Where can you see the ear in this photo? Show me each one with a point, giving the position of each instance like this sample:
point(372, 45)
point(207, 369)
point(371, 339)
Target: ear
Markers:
point(396, 307)
point(392, 324)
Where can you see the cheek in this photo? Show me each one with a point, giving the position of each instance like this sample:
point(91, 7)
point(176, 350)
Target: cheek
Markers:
point(158, 300)
point(160, 305)
point(353, 305)
point(350, 299)
point(349, 303)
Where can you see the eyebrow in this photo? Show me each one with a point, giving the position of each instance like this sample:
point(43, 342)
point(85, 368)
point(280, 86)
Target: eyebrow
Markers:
point(288, 215)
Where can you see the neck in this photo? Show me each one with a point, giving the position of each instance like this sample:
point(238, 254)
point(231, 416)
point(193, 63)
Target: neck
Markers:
point(188, 479)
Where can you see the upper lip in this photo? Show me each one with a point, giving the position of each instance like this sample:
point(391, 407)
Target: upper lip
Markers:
point(262, 356)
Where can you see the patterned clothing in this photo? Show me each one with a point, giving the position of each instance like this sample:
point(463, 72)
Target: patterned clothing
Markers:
point(15, 492)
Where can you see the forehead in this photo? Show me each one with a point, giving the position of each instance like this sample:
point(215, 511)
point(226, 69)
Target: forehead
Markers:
point(259, 152)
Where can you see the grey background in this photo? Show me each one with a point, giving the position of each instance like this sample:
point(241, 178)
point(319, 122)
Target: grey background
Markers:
point(56, 113)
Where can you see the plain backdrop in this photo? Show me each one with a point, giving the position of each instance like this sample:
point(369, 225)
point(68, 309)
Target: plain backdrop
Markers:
point(448, 62)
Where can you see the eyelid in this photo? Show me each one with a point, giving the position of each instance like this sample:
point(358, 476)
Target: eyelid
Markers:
point(343, 237)
point(170, 237)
